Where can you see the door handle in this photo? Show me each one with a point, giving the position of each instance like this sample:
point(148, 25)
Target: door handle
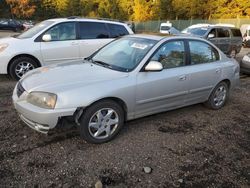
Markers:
point(182, 78)
point(74, 43)
point(218, 70)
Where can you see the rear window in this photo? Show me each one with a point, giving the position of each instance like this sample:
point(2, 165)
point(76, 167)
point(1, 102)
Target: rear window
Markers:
point(93, 30)
point(202, 52)
point(236, 32)
point(117, 30)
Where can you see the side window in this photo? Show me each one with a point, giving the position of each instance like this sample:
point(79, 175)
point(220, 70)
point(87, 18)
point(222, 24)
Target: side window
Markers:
point(222, 33)
point(201, 52)
point(117, 30)
point(93, 30)
point(4, 23)
point(236, 32)
point(171, 54)
point(63, 31)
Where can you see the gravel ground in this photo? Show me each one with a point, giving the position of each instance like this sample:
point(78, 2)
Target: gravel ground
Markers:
point(188, 147)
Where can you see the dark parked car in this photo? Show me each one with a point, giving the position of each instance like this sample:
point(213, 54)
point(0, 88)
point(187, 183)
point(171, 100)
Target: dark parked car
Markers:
point(227, 38)
point(12, 25)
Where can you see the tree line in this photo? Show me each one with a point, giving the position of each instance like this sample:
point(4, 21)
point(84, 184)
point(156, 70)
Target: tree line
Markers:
point(136, 10)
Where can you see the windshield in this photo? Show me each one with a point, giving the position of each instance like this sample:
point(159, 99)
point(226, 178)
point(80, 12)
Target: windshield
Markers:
point(34, 30)
point(201, 31)
point(165, 28)
point(123, 54)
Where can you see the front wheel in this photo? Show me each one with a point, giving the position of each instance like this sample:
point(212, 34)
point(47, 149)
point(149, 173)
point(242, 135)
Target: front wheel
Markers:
point(218, 97)
point(20, 66)
point(101, 122)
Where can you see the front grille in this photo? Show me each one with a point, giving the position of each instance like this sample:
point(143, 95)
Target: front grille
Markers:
point(20, 89)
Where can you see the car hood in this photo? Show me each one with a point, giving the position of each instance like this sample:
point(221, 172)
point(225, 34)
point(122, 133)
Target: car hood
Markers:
point(12, 41)
point(8, 40)
point(66, 76)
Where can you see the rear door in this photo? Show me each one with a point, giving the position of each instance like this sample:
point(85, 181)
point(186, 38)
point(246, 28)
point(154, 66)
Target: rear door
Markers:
point(92, 36)
point(223, 40)
point(236, 39)
point(205, 71)
point(63, 46)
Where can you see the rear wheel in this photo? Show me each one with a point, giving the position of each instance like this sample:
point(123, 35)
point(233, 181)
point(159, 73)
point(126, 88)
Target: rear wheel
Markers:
point(218, 97)
point(101, 122)
point(20, 66)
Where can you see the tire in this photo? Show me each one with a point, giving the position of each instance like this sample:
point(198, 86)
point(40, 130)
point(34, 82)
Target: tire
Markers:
point(95, 122)
point(20, 66)
point(213, 102)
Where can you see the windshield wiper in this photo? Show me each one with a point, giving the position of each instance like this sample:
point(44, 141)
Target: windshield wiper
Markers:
point(101, 63)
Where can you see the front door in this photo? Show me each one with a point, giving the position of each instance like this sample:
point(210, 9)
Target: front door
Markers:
point(63, 46)
point(167, 89)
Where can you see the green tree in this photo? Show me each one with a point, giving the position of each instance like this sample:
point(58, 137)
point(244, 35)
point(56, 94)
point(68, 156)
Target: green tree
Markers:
point(185, 9)
point(166, 10)
point(74, 8)
point(21, 8)
point(145, 10)
point(5, 11)
point(231, 9)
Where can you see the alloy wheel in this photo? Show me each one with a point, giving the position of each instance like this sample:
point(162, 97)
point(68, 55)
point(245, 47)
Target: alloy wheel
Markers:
point(220, 96)
point(23, 67)
point(103, 123)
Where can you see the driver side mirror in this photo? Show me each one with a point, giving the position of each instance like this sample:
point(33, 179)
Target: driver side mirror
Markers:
point(46, 38)
point(154, 66)
point(210, 36)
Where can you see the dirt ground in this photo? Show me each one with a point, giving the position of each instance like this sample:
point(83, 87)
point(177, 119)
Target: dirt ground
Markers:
point(188, 147)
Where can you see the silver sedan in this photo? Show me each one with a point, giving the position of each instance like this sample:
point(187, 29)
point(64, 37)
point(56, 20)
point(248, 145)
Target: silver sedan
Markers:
point(131, 77)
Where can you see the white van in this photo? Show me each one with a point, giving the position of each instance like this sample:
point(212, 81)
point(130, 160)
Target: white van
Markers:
point(56, 41)
point(245, 30)
point(165, 27)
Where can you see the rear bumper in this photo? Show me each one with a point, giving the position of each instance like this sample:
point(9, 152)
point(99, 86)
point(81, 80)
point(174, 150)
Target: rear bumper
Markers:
point(235, 83)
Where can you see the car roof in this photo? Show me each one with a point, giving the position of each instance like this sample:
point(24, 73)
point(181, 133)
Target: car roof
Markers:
point(211, 26)
point(159, 37)
point(147, 36)
point(87, 19)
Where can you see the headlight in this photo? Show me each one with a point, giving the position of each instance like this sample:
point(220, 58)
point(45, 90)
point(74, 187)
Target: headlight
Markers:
point(3, 47)
point(42, 99)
